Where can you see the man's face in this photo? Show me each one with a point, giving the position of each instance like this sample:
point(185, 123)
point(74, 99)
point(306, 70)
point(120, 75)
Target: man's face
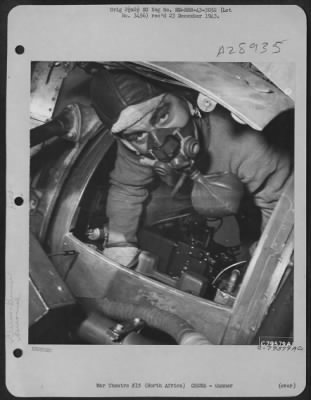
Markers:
point(171, 112)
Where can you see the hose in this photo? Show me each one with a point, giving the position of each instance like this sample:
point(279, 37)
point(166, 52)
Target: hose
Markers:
point(47, 131)
point(57, 127)
point(176, 327)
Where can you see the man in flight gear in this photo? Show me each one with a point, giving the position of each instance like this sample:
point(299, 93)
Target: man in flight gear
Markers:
point(160, 131)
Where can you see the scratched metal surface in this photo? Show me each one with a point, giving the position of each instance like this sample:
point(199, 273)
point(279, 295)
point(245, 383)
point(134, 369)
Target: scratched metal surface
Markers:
point(282, 74)
point(49, 284)
point(46, 83)
point(205, 316)
point(264, 272)
point(253, 99)
point(93, 276)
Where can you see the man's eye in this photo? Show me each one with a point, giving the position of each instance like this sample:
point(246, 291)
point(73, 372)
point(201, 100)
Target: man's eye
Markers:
point(163, 118)
point(136, 136)
point(161, 115)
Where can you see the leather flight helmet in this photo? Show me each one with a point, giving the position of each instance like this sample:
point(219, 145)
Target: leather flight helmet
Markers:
point(113, 91)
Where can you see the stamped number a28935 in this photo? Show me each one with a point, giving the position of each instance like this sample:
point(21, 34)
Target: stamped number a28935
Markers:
point(252, 47)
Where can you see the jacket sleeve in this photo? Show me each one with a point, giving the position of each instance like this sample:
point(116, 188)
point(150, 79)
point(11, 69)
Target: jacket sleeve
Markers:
point(263, 169)
point(128, 191)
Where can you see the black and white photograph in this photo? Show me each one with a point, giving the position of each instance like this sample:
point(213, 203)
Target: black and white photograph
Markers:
point(161, 203)
point(156, 201)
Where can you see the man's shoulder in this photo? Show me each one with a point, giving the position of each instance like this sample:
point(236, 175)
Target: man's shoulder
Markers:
point(224, 127)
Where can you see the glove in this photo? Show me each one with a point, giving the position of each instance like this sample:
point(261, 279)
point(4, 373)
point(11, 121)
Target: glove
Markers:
point(95, 234)
point(126, 255)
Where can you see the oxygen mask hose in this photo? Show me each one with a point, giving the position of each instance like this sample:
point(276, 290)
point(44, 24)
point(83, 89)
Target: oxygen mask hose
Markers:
point(180, 330)
point(216, 195)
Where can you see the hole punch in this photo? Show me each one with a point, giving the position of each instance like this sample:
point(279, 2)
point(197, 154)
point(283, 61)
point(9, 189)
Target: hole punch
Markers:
point(18, 201)
point(17, 353)
point(19, 49)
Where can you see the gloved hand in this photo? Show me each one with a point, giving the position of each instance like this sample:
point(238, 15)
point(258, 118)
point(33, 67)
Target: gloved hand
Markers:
point(124, 255)
point(95, 234)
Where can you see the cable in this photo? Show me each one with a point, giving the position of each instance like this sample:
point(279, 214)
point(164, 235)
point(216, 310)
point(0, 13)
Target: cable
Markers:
point(72, 264)
point(226, 269)
point(169, 219)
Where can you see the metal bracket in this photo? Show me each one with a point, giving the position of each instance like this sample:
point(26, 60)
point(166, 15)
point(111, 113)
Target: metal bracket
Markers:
point(120, 331)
